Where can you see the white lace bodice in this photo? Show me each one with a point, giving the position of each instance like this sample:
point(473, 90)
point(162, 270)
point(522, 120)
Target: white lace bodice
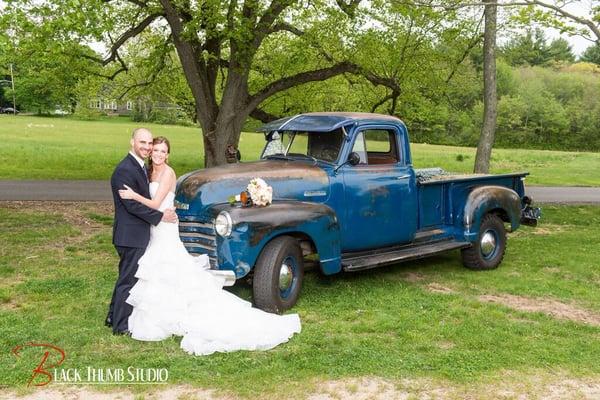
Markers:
point(167, 201)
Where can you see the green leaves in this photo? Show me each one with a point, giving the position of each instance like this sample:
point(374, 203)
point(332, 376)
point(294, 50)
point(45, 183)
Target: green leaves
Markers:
point(532, 48)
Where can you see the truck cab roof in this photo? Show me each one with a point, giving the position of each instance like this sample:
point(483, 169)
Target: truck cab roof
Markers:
point(326, 121)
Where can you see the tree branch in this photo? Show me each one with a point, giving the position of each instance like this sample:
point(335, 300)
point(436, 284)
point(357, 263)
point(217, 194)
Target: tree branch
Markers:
point(230, 11)
point(159, 67)
point(465, 54)
point(282, 26)
point(132, 32)
point(386, 98)
point(263, 26)
point(319, 75)
point(298, 79)
point(348, 8)
point(580, 20)
point(263, 116)
point(587, 22)
point(136, 2)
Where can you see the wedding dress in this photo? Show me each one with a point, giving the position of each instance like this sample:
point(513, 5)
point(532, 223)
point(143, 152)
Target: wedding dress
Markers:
point(176, 295)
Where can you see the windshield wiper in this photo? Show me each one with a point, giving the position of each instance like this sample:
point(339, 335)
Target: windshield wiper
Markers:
point(279, 156)
point(314, 160)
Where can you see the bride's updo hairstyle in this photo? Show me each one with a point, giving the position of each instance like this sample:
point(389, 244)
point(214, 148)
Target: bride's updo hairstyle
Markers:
point(158, 140)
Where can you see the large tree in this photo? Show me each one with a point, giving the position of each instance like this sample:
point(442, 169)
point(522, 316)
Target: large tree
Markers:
point(219, 44)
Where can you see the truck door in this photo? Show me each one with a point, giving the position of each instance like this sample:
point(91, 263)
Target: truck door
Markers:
point(380, 192)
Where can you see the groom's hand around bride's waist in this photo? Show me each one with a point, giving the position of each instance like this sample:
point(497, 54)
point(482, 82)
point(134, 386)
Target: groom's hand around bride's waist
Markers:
point(169, 216)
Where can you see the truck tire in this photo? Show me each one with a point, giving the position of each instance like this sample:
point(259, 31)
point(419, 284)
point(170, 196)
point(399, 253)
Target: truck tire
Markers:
point(278, 275)
point(488, 251)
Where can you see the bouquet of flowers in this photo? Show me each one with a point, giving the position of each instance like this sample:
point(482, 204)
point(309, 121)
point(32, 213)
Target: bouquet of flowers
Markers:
point(257, 193)
point(260, 193)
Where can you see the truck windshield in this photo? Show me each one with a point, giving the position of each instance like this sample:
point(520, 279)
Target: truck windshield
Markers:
point(324, 146)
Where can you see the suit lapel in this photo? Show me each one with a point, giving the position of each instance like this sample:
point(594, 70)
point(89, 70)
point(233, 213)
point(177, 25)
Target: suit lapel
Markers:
point(142, 178)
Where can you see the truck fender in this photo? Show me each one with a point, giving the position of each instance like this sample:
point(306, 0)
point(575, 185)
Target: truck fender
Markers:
point(259, 225)
point(484, 199)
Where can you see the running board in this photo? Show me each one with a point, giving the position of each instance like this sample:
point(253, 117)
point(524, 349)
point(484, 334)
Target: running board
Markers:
point(357, 262)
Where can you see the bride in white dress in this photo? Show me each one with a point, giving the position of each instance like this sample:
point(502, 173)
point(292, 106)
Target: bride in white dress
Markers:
point(176, 295)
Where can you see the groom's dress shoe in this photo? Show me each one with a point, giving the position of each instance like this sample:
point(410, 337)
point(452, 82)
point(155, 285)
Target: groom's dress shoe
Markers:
point(108, 322)
point(122, 333)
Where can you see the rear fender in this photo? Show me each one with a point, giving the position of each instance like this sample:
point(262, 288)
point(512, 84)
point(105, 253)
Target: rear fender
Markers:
point(484, 199)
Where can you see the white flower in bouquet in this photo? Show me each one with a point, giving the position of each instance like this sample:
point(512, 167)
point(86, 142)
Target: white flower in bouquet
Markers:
point(260, 193)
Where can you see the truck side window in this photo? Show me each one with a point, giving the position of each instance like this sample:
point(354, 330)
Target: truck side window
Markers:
point(381, 146)
point(360, 149)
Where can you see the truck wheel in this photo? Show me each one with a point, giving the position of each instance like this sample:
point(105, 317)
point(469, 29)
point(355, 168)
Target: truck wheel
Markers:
point(278, 275)
point(488, 251)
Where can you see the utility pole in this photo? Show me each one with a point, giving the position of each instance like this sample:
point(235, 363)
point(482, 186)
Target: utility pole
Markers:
point(12, 81)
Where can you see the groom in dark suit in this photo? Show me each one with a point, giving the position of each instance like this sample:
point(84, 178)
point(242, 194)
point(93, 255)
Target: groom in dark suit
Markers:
point(131, 227)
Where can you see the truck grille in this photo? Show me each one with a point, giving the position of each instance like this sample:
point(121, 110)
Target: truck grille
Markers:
point(199, 238)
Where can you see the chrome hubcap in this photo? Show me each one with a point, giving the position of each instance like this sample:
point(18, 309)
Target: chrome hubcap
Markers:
point(285, 277)
point(488, 243)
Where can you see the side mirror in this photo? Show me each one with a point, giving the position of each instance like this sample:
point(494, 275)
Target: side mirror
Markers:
point(354, 158)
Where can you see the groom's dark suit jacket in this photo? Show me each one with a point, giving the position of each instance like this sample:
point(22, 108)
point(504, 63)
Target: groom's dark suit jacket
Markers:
point(131, 227)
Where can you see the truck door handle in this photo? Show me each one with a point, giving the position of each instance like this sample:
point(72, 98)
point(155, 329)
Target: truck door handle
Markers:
point(403, 176)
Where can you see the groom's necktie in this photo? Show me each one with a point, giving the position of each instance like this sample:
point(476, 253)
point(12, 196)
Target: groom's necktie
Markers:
point(146, 173)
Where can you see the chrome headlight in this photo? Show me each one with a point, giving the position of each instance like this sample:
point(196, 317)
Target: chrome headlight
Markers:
point(223, 224)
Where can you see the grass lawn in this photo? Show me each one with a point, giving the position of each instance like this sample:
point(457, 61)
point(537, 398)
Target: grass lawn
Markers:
point(432, 319)
point(62, 148)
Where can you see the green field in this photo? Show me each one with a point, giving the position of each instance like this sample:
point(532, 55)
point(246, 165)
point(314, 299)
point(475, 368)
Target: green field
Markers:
point(62, 148)
point(430, 319)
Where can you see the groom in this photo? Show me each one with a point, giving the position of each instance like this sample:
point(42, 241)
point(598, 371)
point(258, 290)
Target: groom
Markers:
point(131, 227)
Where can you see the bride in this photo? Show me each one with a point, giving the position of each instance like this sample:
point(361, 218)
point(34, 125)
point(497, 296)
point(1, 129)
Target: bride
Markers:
point(176, 295)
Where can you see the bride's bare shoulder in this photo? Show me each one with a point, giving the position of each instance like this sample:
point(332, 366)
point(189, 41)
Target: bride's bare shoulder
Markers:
point(171, 177)
point(171, 172)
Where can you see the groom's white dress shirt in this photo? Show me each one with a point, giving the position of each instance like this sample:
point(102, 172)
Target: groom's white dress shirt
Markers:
point(139, 160)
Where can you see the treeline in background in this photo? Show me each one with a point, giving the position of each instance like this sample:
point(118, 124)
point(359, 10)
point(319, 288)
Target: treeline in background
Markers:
point(548, 97)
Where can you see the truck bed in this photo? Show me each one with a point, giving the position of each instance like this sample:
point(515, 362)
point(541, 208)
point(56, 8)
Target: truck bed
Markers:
point(440, 193)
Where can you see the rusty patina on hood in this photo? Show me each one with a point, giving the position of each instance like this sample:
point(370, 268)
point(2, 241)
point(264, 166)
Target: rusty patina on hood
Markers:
point(289, 179)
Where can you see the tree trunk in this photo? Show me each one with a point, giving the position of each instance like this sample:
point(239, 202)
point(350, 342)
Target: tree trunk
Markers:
point(490, 100)
point(222, 138)
point(221, 144)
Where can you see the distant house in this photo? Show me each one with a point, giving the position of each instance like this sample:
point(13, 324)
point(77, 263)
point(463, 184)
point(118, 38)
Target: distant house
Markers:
point(112, 107)
point(126, 107)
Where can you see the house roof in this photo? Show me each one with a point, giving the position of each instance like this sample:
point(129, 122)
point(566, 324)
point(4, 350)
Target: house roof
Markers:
point(324, 121)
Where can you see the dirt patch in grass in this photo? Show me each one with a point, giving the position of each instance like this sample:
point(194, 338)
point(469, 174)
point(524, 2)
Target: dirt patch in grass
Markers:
point(437, 288)
point(358, 388)
point(550, 307)
point(548, 229)
point(413, 277)
point(76, 214)
point(551, 270)
point(445, 345)
point(525, 388)
point(179, 392)
point(9, 305)
point(542, 230)
point(515, 386)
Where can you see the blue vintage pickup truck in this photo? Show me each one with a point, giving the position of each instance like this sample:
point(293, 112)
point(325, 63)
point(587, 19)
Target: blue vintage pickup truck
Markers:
point(346, 197)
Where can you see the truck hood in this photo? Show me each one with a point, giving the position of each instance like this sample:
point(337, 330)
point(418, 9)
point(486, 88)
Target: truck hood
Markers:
point(291, 180)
